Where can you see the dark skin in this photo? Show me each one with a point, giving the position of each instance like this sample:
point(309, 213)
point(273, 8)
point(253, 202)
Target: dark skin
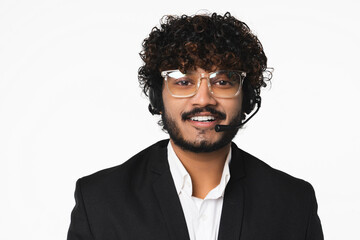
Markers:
point(204, 168)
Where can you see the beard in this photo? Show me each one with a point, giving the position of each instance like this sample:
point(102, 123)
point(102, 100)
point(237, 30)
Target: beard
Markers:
point(203, 145)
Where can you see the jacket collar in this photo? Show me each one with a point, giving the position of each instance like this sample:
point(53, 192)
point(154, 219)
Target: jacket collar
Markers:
point(165, 191)
point(233, 205)
point(166, 194)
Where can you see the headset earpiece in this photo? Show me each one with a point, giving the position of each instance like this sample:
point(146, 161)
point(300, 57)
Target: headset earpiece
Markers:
point(155, 103)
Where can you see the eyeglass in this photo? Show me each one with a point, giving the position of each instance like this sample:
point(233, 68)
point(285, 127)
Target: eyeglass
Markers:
point(222, 83)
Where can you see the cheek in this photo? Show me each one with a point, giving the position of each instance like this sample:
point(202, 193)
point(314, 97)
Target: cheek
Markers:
point(238, 102)
point(166, 100)
point(232, 105)
point(171, 105)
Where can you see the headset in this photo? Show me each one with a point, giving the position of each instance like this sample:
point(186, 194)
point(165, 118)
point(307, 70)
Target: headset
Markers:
point(254, 102)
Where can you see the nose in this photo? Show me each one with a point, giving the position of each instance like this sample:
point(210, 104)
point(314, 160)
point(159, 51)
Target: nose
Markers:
point(203, 97)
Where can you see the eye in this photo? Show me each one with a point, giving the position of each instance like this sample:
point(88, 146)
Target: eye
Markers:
point(224, 79)
point(183, 82)
point(223, 83)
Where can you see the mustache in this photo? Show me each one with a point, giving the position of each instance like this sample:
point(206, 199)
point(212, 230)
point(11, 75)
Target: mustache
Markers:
point(219, 115)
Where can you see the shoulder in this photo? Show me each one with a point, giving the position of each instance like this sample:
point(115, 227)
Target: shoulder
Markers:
point(260, 175)
point(131, 171)
point(276, 199)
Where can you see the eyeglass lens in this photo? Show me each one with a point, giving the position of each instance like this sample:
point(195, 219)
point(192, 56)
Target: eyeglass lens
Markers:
point(222, 83)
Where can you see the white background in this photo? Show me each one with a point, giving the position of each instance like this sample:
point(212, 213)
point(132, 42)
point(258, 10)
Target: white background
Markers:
point(70, 103)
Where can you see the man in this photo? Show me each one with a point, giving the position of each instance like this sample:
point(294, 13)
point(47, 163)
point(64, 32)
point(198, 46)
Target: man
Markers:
point(203, 74)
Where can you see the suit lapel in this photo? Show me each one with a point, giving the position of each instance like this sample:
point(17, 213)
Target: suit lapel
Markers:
point(166, 194)
point(165, 191)
point(233, 205)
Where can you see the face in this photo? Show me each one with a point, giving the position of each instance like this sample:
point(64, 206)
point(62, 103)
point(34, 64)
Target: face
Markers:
point(191, 121)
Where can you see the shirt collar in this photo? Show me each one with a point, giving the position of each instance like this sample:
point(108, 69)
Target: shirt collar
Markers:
point(182, 179)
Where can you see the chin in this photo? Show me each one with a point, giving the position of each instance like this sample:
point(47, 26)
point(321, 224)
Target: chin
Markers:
point(200, 146)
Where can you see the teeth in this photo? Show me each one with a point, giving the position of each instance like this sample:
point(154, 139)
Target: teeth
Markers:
point(203, 118)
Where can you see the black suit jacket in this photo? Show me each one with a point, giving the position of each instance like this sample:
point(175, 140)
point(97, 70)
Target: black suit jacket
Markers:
point(138, 200)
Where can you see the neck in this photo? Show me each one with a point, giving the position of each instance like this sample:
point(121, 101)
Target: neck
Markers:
point(205, 169)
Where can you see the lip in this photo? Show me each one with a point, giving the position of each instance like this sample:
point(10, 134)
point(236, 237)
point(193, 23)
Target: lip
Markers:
point(204, 125)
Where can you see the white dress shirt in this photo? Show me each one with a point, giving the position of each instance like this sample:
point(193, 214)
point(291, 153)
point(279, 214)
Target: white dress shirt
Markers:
point(202, 215)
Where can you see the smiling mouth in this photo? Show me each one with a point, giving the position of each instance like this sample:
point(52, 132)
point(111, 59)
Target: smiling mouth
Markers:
point(203, 121)
point(203, 118)
point(203, 115)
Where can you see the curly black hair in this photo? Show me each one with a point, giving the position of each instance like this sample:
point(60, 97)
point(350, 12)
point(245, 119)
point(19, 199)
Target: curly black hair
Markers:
point(205, 41)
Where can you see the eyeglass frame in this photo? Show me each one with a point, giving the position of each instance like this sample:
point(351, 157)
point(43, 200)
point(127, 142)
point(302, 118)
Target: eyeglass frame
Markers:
point(165, 73)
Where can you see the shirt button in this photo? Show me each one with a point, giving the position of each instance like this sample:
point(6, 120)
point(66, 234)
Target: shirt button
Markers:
point(203, 217)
